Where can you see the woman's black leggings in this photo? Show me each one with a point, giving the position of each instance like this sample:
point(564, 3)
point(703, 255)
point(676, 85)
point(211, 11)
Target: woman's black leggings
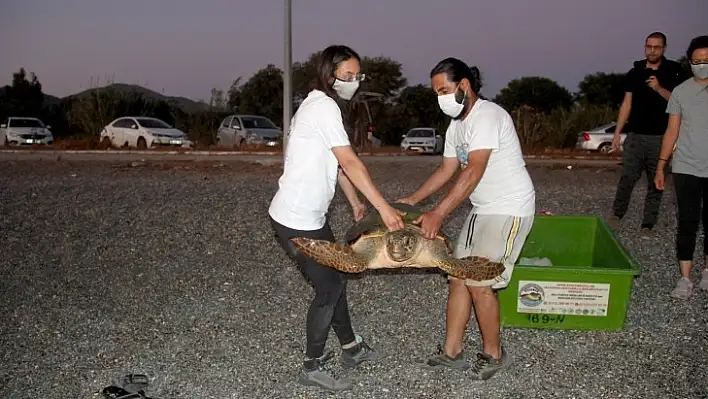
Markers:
point(329, 308)
point(691, 193)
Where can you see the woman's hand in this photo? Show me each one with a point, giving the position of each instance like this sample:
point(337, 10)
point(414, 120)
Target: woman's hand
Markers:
point(358, 210)
point(659, 179)
point(392, 217)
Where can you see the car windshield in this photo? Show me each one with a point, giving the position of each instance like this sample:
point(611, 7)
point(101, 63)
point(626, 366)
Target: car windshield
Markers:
point(420, 133)
point(257, 122)
point(25, 123)
point(153, 123)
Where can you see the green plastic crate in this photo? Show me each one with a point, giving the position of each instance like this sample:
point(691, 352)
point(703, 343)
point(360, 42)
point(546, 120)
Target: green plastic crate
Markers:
point(587, 287)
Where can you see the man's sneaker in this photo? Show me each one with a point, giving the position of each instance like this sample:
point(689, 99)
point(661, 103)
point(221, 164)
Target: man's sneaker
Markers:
point(683, 289)
point(613, 222)
point(486, 366)
point(364, 354)
point(321, 377)
point(441, 359)
point(704, 280)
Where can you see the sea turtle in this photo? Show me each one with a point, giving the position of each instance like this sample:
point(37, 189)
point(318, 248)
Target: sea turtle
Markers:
point(369, 244)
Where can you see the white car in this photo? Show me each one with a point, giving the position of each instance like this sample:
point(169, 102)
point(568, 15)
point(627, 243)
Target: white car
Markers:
point(143, 132)
point(599, 139)
point(237, 130)
point(423, 139)
point(25, 131)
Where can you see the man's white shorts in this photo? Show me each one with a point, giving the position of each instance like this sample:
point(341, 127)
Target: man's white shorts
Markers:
point(497, 237)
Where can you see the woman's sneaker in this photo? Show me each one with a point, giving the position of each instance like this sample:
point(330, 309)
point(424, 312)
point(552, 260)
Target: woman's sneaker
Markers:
point(363, 353)
point(316, 373)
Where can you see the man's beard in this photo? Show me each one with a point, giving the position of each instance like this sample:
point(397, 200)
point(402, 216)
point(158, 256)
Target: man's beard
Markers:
point(653, 60)
point(465, 105)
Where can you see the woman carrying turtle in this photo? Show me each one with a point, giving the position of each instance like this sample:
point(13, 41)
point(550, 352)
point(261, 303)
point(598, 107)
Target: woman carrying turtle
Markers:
point(317, 147)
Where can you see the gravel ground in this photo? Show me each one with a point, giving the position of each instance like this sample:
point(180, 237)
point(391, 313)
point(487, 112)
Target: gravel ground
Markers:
point(109, 268)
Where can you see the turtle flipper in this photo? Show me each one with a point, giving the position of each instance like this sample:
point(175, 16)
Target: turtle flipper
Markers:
point(331, 254)
point(472, 267)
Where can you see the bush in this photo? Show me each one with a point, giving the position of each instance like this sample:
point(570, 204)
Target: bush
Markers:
point(560, 128)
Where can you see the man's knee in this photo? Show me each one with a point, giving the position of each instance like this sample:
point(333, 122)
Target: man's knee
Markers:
point(481, 291)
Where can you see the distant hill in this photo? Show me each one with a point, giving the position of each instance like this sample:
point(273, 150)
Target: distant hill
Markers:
point(48, 98)
point(183, 102)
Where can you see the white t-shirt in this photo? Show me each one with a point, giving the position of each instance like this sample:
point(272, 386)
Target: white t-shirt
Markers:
point(309, 178)
point(506, 187)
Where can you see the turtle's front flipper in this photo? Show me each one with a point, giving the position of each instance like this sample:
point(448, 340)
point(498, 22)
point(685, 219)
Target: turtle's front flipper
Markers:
point(472, 267)
point(331, 254)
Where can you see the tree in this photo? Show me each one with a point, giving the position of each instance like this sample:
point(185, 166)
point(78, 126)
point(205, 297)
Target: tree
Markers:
point(539, 93)
point(417, 106)
point(262, 94)
point(24, 97)
point(601, 89)
point(234, 95)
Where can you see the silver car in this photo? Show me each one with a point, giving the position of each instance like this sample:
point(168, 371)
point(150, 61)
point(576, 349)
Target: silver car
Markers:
point(237, 130)
point(25, 131)
point(423, 139)
point(599, 138)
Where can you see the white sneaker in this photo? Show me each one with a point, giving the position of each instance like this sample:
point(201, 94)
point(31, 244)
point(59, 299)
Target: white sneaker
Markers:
point(704, 281)
point(683, 289)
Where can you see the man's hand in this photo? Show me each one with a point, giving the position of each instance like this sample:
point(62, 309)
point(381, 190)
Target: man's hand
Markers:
point(659, 180)
point(392, 217)
point(616, 142)
point(653, 83)
point(430, 223)
point(406, 200)
point(359, 211)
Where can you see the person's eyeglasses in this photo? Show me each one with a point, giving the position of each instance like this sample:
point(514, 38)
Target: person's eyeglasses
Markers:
point(648, 47)
point(699, 62)
point(352, 78)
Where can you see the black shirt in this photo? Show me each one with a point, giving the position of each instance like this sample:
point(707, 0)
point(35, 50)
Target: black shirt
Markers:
point(648, 114)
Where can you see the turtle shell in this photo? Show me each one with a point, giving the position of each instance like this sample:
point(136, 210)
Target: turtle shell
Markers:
point(373, 223)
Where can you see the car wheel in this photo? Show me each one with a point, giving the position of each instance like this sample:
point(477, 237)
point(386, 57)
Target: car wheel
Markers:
point(605, 148)
point(106, 142)
point(142, 144)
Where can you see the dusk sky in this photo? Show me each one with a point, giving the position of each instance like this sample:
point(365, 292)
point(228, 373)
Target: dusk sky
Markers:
point(186, 47)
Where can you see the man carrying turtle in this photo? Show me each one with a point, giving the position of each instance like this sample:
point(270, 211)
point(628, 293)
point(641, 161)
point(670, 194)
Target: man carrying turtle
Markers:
point(482, 141)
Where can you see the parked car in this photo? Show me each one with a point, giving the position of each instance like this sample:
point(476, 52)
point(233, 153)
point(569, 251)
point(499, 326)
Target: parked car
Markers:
point(143, 132)
point(25, 131)
point(236, 130)
point(599, 138)
point(423, 139)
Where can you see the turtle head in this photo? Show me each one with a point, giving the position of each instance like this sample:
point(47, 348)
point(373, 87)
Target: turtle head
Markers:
point(401, 245)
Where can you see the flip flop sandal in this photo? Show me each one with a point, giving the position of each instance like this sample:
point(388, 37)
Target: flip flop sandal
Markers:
point(114, 392)
point(135, 383)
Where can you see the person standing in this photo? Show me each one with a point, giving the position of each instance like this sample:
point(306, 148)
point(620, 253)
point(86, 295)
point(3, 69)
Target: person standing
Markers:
point(648, 86)
point(318, 146)
point(482, 141)
point(687, 131)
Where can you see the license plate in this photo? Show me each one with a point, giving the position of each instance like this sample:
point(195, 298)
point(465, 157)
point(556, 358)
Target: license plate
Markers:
point(175, 141)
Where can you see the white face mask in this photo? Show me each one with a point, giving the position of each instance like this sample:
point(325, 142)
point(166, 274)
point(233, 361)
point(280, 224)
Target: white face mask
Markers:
point(449, 105)
point(344, 89)
point(700, 71)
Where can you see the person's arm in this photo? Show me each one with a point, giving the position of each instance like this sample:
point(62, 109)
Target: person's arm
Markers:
point(672, 131)
point(624, 111)
point(358, 174)
point(348, 189)
point(442, 175)
point(482, 139)
point(331, 128)
point(466, 182)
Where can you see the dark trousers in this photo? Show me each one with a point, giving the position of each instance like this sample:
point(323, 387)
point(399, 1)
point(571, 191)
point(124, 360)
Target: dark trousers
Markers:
point(691, 192)
point(640, 154)
point(329, 308)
